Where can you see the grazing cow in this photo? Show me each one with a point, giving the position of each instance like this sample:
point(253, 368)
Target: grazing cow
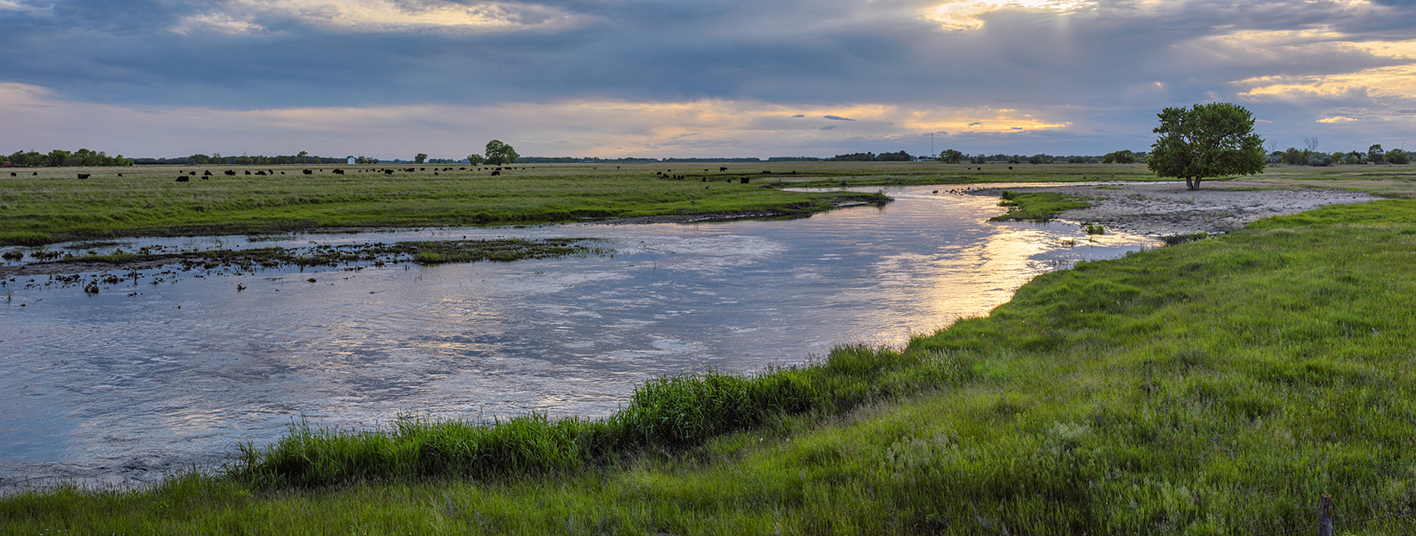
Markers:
point(307, 172)
point(35, 174)
point(722, 169)
point(83, 176)
point(462, 169)
point(120, 174)
point(13, 174)
point(338, 172)
point(496, 172)
point(183, 178)
point(766, 172)
point(745, 179)
point(422, 169)
point(388, 172)
point(193, 173)
point(206, 173)
point(261, 173)
point(248, 172)
point(435, 173)
point(230, 173)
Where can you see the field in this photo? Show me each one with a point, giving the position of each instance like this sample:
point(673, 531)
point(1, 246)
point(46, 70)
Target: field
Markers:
point(1214, 387)
point(55, 206)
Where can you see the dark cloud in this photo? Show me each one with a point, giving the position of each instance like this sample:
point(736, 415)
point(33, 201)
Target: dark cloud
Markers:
point(838, 118)
point(1110, 67)
point(832, 127)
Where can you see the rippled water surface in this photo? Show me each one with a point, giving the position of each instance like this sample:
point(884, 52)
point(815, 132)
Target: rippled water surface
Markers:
point(117, 388)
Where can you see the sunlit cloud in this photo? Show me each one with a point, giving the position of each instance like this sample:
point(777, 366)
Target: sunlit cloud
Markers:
point(577, 127)
point(967, 14)
point(375, 16)
point(1338, 119)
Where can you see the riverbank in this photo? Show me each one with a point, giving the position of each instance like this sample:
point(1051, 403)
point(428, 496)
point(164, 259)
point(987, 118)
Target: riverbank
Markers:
point(1214, 386)
point(56, 206)
point(1162, 209)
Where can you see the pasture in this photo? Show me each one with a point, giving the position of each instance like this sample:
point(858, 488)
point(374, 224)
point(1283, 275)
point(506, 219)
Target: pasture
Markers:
point(47, 205)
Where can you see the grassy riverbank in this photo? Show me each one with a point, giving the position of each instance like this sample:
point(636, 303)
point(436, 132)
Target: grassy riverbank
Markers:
point(1214, 387)
point(48, 205)
point(57, 206)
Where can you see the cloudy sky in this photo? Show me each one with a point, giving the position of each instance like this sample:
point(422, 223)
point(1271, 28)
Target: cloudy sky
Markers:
point(681, 78)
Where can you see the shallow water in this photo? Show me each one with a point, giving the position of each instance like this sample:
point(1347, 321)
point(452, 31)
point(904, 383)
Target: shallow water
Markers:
point(117, 388)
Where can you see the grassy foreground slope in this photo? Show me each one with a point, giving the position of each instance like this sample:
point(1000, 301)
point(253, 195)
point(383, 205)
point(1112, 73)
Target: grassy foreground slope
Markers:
point(1215, 387)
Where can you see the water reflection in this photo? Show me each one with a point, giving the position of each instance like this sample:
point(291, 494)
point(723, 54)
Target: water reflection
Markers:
point(114, 387)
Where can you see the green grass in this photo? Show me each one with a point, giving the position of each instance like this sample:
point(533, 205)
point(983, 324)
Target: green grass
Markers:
point(1038, 206)
point(56, 206)
point(1214, 387)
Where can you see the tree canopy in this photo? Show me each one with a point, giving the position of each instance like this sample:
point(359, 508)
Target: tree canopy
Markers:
point(499, 153)
point(1206, 140)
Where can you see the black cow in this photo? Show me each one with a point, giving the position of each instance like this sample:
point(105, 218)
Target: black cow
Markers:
point(388, 172)
point(261, 173)
point(193, 173)
point(120, 174)
point(722, 169)
point(496, 172)
point(206, 173)
point(83, 176)
point(35, 174)
point(13, 174)
point(183, 178)
point(307, 172)
point(230, 173)
point(338, 172)
point(248, 172)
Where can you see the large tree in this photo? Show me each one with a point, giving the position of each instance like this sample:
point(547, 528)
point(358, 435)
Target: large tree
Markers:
point(499, 153)
point(1206, 140)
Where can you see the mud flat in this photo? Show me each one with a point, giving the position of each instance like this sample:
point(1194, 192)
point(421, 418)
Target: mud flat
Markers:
point(1168, 208)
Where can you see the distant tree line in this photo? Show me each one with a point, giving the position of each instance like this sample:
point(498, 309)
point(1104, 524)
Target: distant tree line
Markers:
point(61, 158)
point(1311, 156)
point(872, 157)
point(215, 159)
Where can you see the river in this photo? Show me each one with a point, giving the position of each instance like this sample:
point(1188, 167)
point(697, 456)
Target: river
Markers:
point(120, 387)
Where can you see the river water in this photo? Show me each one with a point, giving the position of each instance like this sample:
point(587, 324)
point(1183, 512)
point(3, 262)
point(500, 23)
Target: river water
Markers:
point(140, 379)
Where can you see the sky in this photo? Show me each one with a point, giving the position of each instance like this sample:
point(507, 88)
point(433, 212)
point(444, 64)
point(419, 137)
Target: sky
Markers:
point(692, 78)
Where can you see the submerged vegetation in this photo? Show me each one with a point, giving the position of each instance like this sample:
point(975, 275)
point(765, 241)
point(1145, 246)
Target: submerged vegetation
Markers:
point(419, 252)
point(1216, 386)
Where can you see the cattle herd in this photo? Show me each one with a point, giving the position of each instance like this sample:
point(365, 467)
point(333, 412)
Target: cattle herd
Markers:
point(495, 171)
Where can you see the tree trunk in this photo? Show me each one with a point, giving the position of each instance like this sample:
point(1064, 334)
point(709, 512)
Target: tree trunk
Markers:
point(1192, 183)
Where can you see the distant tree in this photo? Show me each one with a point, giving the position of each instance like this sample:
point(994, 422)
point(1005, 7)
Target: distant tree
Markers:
point(895, 157)
point(58, 158)
point(1293, 157)
point(1124, 156)
point(1206, 140)
point(474, 159)
point(1311, 144)
point(197, 160)
point(420, 158)
point(1040, 159)
point(499, 153)
point(302, 155)
point(950, 156)
point(1375, 154)
point(1398, 156)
